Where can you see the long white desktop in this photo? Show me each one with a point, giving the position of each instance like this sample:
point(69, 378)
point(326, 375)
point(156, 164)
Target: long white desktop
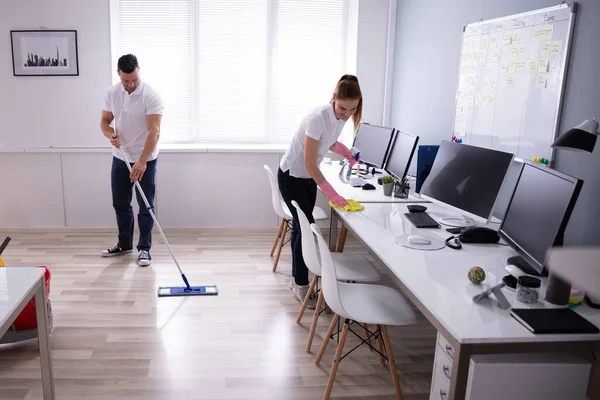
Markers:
point(17, 286)
point(436, 282)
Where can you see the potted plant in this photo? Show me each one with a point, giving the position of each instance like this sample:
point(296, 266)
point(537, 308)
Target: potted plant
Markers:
point(388, 185)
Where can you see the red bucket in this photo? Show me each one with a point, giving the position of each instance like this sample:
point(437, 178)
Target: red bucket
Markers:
point(27, 319)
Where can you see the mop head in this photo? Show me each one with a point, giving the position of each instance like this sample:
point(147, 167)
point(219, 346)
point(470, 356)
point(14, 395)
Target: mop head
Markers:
point(353, 205)
point(166, 291)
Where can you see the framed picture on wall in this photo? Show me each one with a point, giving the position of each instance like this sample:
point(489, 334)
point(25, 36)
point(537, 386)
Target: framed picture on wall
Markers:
point(44, 53)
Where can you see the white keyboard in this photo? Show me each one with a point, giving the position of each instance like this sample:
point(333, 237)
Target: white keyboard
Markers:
point(357, 181)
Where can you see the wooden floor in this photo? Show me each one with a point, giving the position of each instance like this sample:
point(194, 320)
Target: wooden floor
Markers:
point(113, 338)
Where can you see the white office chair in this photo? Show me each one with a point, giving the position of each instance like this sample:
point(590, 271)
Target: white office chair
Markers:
point(282, 210)
point(358, 302)
point(349, 267)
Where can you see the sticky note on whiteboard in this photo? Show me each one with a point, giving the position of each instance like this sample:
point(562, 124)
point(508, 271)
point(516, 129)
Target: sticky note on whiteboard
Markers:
point(485, 88)
point(542, 79)
point(546, 49)
point(533, 66)
point(538, 33)
point(522, 52)
point(495, 55)
point(494, 42)
point(520, 67)
point(510, 81)
point(548, 30)
point(543, 66)
point(507, 38)
point(556, 48)
point(515, 36)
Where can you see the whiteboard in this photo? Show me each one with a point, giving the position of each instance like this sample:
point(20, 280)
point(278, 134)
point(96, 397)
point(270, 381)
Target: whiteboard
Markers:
point(511, 81)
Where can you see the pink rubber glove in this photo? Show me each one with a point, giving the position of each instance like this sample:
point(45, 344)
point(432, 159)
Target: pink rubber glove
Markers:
point(339, 148)
point(332, 194)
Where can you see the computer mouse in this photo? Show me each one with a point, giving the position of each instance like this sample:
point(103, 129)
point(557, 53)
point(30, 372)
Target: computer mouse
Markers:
point(368, 186)
point(514, 270)
point(416, 208)
point(418, 239)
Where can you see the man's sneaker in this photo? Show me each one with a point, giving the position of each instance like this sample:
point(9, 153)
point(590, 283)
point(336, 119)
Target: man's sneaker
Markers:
point(300, 293)
point(116, 250)
point(144, 258)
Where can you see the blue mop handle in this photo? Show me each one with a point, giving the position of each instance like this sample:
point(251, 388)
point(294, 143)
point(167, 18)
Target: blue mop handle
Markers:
point(186, 282)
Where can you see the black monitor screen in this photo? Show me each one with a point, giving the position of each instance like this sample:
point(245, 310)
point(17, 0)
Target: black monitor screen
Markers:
point(467, 177)
point(373, 142)
point(401, 154)
point(538, 212)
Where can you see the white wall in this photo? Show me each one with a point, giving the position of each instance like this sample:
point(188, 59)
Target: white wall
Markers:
point(372, 48)
point(49, 110)
point(70, 187)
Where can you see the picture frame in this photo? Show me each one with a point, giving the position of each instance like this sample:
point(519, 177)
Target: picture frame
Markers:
point(44, 52)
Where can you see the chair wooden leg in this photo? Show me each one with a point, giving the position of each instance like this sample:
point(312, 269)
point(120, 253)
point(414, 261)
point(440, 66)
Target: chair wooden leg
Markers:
point(342, 240)
point(366, 333)
point(332, 326)
point(336, 361)
point(278, 236)
point(380, 345)
point(313, 327)
point(311, 288)
point(285, 229)
point(390, 356)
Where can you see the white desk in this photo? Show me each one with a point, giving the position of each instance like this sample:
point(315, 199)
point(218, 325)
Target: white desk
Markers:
point(17, 286)
point(436, 282)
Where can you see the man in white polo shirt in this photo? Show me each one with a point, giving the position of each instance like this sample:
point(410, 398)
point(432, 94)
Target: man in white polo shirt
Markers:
point(135, 110)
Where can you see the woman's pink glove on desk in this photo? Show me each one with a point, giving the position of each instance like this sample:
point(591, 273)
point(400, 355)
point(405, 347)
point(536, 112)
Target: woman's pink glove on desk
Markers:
point(339, 148)
point(332, 194)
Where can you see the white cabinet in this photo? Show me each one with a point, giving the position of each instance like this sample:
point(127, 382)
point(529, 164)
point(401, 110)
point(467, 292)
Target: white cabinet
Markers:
point(513, 376)
point(528, 376)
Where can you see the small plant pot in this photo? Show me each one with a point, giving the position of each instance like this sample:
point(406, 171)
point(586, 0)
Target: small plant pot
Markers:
point(388, 189)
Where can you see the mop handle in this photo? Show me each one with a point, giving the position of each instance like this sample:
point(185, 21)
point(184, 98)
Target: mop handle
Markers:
point(139, 188)
point(4, 244)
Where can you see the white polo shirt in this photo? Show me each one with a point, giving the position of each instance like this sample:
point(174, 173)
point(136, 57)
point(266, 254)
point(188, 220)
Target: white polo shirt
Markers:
point(320, 124)
point(130, 112)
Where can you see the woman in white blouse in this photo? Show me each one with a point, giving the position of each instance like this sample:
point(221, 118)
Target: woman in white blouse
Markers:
point(299, 173)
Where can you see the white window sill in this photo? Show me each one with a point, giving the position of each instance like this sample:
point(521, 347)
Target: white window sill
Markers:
point(165, 148)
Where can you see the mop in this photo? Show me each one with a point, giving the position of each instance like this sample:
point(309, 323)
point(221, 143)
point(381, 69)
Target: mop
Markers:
point(165, 291)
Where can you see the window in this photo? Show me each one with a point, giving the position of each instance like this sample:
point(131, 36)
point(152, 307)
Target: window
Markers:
point(234, 71)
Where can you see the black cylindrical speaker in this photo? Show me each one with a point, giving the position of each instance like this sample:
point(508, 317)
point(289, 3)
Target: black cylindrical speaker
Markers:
point(558, 290)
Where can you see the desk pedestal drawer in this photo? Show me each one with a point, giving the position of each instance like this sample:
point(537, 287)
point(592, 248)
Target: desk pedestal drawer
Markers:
point(442, 370)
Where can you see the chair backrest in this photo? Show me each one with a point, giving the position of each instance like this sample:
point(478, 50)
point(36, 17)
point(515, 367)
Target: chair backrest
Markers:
point(328, 276)
point(309, 250)
point(275, 194)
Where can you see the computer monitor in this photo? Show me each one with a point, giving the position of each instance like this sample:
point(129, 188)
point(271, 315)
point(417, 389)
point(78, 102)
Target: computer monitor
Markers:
point(537, 214)
point(373, 142)
point(425, 158)
point(400, 156)
point(466, 179)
